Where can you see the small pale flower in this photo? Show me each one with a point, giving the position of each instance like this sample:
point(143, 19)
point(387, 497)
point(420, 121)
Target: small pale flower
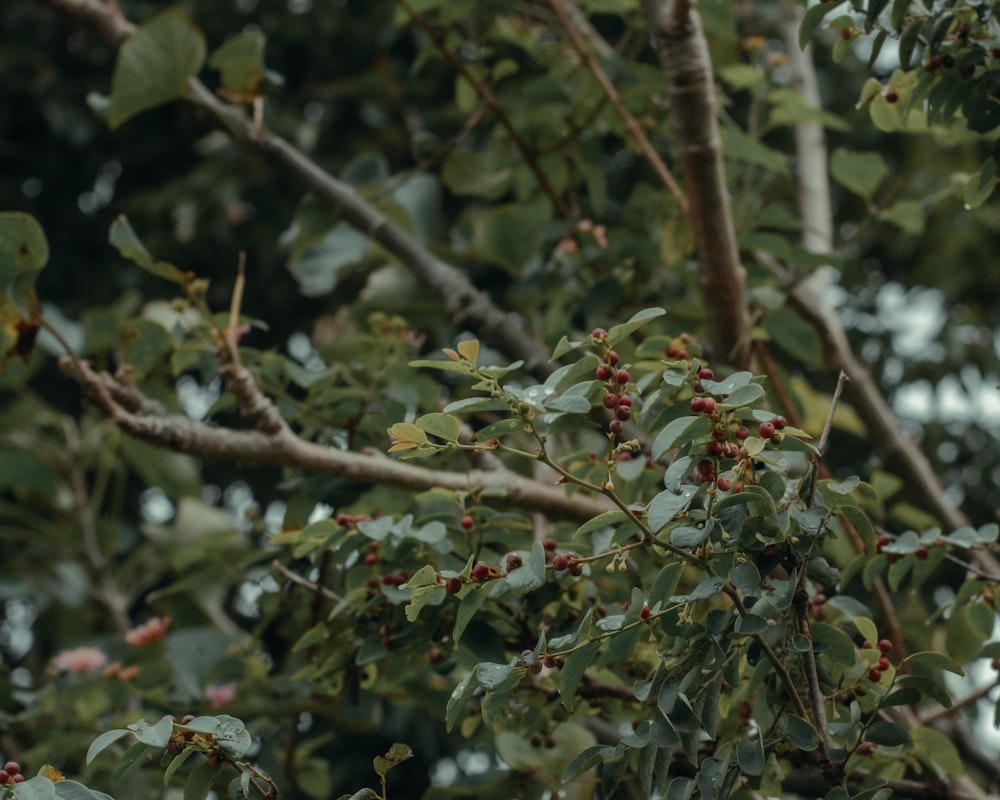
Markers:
point(80, 660)
point(220, 695)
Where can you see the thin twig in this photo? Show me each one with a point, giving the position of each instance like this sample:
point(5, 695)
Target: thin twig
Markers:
point(294, 577)
point(968, 700)
point(561, 10)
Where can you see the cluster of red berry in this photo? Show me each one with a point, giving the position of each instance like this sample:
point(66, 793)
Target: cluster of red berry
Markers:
point(616, 379)
point(884, 647)
point(11, 774)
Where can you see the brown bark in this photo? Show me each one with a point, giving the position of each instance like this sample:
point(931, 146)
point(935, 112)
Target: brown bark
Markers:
point(687, 68)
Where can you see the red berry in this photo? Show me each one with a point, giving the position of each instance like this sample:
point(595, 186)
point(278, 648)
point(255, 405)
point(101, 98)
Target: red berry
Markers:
point(625, 400)
point(371, 559)
point(714, 448)
point(875, 674)
point(948, 61)
point(864, 748)
point(480, 572)
point(602, 373)
point(891, 97)
point(776, 438)
point(611, 400)
point(922, 552)
point(885, 646)
point(709, 405)
point(742, 432)
point(624, 413)
point(766, 430)
point(882, 541)
point(615, 426)
point(705, 466)
point(17, 778)
point(453, 585)
point(513, 561)
point(968, 70)
point(883, 663)
point(995, 664)
point(4, 777)
point(706, 374)
point(846, 34)
point(720, 434)
point(12, 767)
point(644, 613)
point(697, 404)
point(623, 376)
point(560, 562)
point(612, 357)
point(779, 423)
point(724, 484)
point(389, 580)
point(467, 522)
point(818, 599)
point(599, 334)
point(343, 519)
point(550, 544)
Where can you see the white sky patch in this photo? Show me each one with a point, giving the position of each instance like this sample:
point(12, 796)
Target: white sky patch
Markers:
point(914, 317)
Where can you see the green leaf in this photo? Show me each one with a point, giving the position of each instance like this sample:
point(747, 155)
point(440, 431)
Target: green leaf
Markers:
point(37, 788)
point(898, 13)
point(666, 505)
point(128, 761)
point(812, 19)
point(866, 628)
point(496, 701)
point(679, 432)
point(746, 395)
point(154, 65)
point(833, 644)
point(124, 239)
point(199, 782)
point(444, 426)
point(738, 146)
point(573, 667)
point(459, 699)
point(799, 732)
point(230, 732)
point(176, 762)
point(750, 755)
point(689, 536)
point(618, 332)
point(396, 755)
point(936, 660)
point(146, 344)
point(508, 235)
point(585, 760)
point(471, 405)
point(240, 62)
point(745, 577)
point(470, 604)
point(937, 749)
point(908, 215)
point(72, 790)
point(888, 733)
point(153, 735)
point(979, 188)
point(861, 173)
point(603, 520)
point(467, 172)
point(104, 741)
point(24, 251)
point(531, 574)
point(794, 335)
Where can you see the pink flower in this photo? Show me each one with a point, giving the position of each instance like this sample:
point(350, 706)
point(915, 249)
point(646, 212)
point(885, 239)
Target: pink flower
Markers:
point(80, 660)
point(220, 694)
point(152, 630)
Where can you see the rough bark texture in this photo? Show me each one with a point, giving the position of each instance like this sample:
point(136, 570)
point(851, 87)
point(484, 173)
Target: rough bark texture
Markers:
point(687, 69)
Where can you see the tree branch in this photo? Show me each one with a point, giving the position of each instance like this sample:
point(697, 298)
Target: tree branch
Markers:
point(145, 419)
point(683, 53)
point(465, 305)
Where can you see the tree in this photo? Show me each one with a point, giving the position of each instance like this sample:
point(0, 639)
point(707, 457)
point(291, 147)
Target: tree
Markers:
point(618, 545)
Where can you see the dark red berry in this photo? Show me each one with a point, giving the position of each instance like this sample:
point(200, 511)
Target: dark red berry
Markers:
point(875, 674)
point(12, 768)
point(846, 34)
point(705, 466)
point(623, 376)
point(995, 664)
point(550, 544)
point(610, 400)
point(818, 599)
point(713, 448)
point(173, 747)
point(4, 777)
point(624, 413)
point(968, 70)
point(453, 585)
point(644, 612)
point(389, 580)
point(560, 562)
point(480, 572)
point(625, 400)
point(742, 432)
point(705, 374)
point(602, 373)
point(697, 404)
point(17, 778)
point(709, 405)
point(883, 663)
point(371, 559)
point(467, 522)
point(864, 748)
point(724, 484)
point(882, 541)
point(922, 552)
point(720, 434)
point(885, 646)
point(779, 423)
point(612, 357)
point(599, 334)
point(947, 61)
point(766, 430)
point(343, 519)
point(513, 561)
point(616, 426)
point(891, 97)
